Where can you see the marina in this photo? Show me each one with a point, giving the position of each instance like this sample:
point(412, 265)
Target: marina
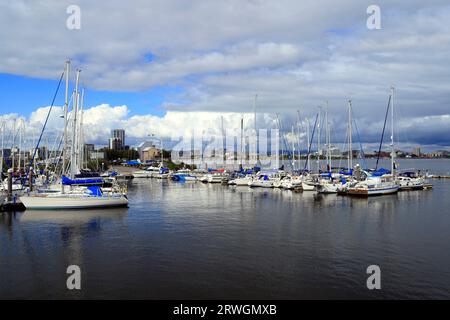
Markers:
point(224, 158)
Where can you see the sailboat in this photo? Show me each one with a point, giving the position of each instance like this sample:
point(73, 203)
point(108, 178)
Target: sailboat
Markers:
point(384, 183)
point(74, 197)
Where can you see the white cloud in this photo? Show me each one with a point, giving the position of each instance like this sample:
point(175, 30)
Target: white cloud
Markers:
point(98, 122)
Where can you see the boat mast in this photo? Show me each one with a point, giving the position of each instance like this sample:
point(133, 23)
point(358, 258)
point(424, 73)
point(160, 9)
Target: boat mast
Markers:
point(293, 149)
point(392, 135)
point(318, 139)
point(13, 150)
point(350, 142)
point(327, 133)
point(307, 139)
point(162, 153)
point(298, 140)
point(20, 144)
point(242, 137)
point(80, 133)
point(256, 132)
point(66, 112)
point(73, 156)
point(224, 157)
point(34, 151)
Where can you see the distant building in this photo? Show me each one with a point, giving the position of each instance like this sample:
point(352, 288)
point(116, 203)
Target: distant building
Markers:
point(143, 145)
point(115, 144)
point(88, 148)
point(96, 155)
point(42, 153)
point(440, 154)
point(416, 152)
point(150, 153)
point(117, 139)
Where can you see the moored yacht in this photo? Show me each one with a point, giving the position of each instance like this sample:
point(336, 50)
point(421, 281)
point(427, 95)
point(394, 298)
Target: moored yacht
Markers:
point(92, 197)
point(374, 186)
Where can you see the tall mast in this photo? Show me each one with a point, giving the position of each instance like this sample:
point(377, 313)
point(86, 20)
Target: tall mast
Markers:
point(298, 139)
point(34, 151)
point(293, 149)
point(73, 156)
point(242, 137)
point(224, 158)
point(318, 139)
point(350, 142)
point(327, 133)
point(66, 112)
point(20, 144)
point(80, 132)
point(13, 151)
point(392, 134)
point(162, 153)
point(256, 132)
point(308, 142)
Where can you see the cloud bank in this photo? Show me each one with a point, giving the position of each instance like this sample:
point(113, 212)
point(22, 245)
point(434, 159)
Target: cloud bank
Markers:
point(295, 55)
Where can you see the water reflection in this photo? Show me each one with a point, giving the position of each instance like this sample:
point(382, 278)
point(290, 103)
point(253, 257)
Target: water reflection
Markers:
point(91, 218)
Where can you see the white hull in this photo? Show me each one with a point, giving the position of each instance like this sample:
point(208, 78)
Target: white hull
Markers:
point(328, 188)
point(261, 184)
point(62, 202)
point(291, 184)
point(373, 191)
point(308, 187)
point(411, 184)
point(142, 174)
point(278, 183)
point(242, 181)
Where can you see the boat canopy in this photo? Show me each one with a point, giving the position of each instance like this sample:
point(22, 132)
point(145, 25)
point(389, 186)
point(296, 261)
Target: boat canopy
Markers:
point(67, 181)
point(133, 163)
point(95, 191)
point(347, 172)
point(163, 170)
point(380, 172)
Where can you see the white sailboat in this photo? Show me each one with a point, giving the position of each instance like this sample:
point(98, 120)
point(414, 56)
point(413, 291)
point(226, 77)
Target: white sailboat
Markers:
point(386, 183)
point(261, 181)
point(374, 186)
point(74, 197)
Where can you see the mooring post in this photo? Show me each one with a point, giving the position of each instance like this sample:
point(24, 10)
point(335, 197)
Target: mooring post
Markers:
point(10, 172)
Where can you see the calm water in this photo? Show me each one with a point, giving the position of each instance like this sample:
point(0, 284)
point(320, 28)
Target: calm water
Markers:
point(183, 241)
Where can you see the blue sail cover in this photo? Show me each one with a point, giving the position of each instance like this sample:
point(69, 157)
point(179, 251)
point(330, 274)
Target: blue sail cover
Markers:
point(133, 163)
point(178, 177)
point(380, 172)
point(68, 182)
point(346, 172)
point(163, 170)
point(95, 191)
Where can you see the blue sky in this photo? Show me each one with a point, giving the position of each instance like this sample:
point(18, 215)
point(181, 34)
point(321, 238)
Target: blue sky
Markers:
point(23, 95)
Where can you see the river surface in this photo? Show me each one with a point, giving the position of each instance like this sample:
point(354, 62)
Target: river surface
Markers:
point(200, 241)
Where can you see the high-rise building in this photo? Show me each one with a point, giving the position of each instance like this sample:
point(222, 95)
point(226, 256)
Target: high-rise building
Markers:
point(416, 152)
point(115, 144)
point(119, 134)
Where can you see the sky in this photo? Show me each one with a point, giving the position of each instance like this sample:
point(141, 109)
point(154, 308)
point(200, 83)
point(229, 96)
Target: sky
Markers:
point(166, 67)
